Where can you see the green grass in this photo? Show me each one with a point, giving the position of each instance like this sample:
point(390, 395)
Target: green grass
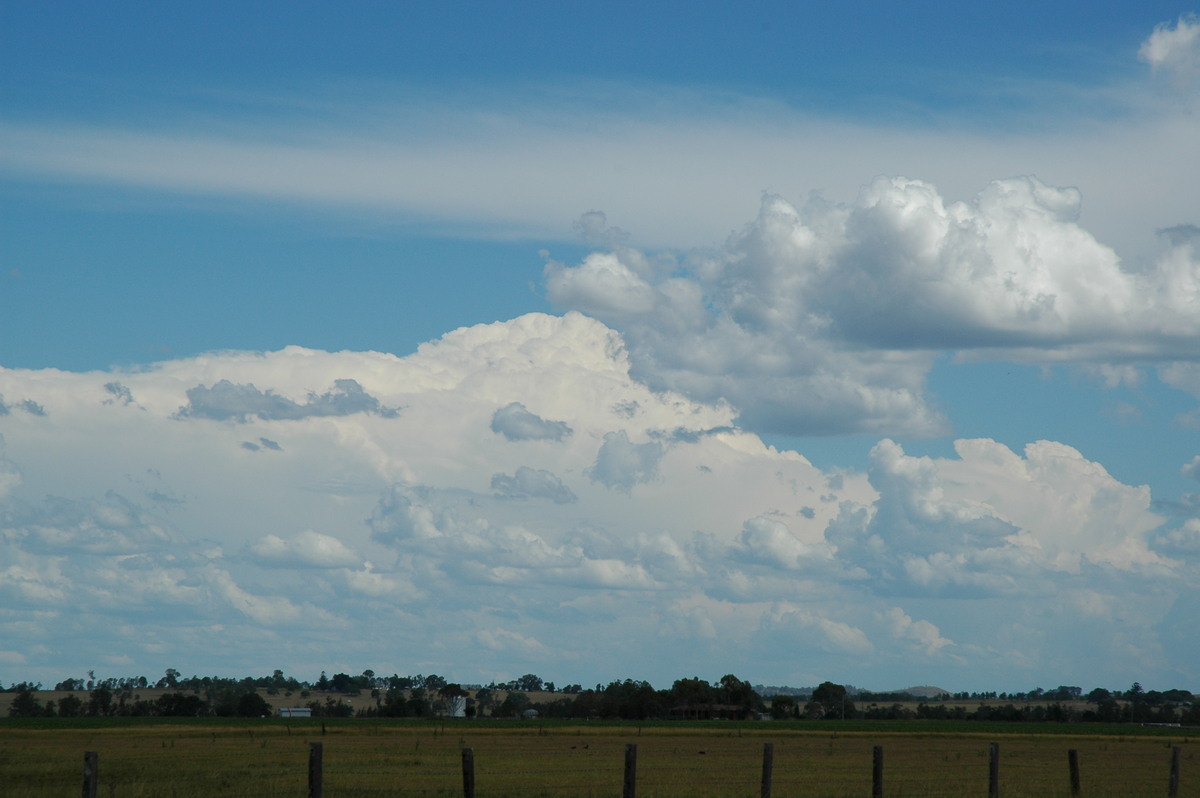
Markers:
point(205, 757)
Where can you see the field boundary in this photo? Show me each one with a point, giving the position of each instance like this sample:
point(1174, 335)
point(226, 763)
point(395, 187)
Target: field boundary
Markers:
point(629, 782)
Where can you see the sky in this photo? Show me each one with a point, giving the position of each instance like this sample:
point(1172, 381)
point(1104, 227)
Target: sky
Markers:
point(800, 341)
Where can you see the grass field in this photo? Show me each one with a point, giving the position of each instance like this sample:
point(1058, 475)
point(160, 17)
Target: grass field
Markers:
point(146, 757)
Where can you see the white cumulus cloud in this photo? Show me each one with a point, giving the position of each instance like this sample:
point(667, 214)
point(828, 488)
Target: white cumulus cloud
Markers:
point(827, 317)
point(306, 548)
point(1174, 47)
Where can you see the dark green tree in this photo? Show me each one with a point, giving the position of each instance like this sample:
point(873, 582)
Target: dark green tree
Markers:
point(395, 704)
point(452, 690)
point(26, 705)
point(530, 683)
point(70, 707)
point(691, 692)
point(831, 698)
point(100, 703)
point(513, 704)
point(179, 705)
point(783, 707)
point(252, 705)
point(485, 699)
point(341, 683)
point(738, 693)
point(418, 705)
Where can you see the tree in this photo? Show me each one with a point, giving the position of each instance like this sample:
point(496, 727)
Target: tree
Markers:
point(335, 709)
point(629, 699)
point(1135, 695)
point(26, 705)
point(252, 705)
point(100, 703)
point(70, 707)
point(341, 683)
point(783, 707)
point(485, 699)
point(446, 694)
point(170, 679)
point(418, 704)
point(1107, 710)
point(394, 705)
point(452, 690)
point(179, 705)
point(735, 691)
point(530, 683)
point(513, 705)
point(831, 698)
point(691, 692)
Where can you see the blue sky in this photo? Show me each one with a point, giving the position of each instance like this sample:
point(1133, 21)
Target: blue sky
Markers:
point(445, 315)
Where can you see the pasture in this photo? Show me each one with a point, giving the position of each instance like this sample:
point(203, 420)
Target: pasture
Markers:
point(571, 759)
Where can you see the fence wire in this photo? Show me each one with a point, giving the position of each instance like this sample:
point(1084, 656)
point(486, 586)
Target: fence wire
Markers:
point(273, 760)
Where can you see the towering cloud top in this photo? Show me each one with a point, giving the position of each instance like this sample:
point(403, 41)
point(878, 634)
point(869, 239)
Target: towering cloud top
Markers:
point(826, 317)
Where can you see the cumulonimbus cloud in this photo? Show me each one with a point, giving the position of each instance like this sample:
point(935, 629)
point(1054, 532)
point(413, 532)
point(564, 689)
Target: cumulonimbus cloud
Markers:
point(656, 519)
point(826, 317)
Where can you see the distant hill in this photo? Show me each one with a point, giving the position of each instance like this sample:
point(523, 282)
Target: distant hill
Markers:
point(769, 690)
point(924, 691)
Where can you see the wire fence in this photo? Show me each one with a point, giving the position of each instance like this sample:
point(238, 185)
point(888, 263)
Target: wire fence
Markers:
point(702, 767)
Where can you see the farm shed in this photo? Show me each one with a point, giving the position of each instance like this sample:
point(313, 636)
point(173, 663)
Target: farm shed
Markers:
point(295, 712)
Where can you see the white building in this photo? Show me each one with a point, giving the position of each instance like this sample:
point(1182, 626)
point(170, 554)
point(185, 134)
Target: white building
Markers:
point(295, 712)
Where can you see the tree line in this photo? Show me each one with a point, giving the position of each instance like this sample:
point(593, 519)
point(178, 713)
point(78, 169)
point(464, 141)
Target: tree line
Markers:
point(371, 695)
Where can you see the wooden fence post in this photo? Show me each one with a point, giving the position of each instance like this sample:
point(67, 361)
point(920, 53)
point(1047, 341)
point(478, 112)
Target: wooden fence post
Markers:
point(877, 772)
point(1073, 764)
point(630, 789)
point(315, 770)
point(994, 770)
point(91, 773)
point(1173, 783)
point(768, 763)
point(468, 767)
